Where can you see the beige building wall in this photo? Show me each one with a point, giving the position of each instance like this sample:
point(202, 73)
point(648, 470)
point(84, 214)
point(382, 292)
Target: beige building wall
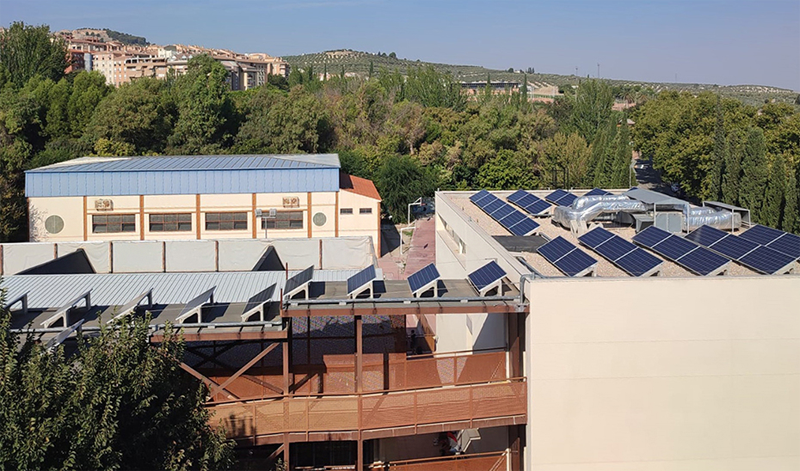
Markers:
point(664, 374)
point(320, 213)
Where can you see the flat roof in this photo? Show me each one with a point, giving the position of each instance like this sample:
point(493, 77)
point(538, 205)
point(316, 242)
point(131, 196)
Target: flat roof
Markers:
point(491, 229)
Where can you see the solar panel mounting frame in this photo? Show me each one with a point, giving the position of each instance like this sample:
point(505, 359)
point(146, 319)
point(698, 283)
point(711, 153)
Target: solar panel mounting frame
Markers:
point(497, 282)
point(425, 286)
point(368, 284)
point(299, 283)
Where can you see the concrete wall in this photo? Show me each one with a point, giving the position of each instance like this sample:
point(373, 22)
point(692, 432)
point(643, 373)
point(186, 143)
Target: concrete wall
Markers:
point(324, 205)
point(664, 374)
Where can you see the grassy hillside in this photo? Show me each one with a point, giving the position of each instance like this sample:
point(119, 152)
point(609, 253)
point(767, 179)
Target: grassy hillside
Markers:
point(359, 63)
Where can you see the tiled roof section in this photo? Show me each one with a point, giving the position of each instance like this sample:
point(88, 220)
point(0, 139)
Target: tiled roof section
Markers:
point(358, 185)
point(197, 162)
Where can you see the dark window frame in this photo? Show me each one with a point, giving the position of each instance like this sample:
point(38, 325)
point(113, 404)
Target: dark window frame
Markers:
point(226, 221)
point(113, 223)
point(285, 220)
point(346, 211)
point(170, 222)
point(364, 210)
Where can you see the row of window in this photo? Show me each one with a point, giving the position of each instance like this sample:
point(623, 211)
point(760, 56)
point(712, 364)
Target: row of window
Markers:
point(360, 211)
point(182, 222)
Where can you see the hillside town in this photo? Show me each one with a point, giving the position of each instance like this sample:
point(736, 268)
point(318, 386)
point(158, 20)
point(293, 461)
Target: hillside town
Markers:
point(93, 49)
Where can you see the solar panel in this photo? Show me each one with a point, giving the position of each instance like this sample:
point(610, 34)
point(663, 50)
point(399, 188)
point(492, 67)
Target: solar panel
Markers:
point(555, 249)
point(761, 235)
point(556, 195)
point(683, 252)
point(595, 237)
point(523, 228)
point(479, 196)
point(650, 236)
point(517, 196)
point(638, 262)
point(567, 200)
point(775, 239)
point(615, 248)
point(706, 235)
point(597, 192)
point(299, 280)
point(423, 277)
point(493, 206)
point(537, 207)
point(766, 260)
point(503, 211)
point(733, 247)
point(486, 275)
point(511, 219)
point(575, 263)
point(360, 279)
point(625, 255)
point(566, 257)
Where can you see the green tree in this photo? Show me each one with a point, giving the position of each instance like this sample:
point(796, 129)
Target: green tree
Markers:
point(400, 181)
point(118, 401)
point(428, 87)
point(732, 170)
point(713, 188)
point(791, 211)
point(592, 108)
point(508, 170)
point(773, 204)
point(205, 110)
point(27, 51)
point(754, 173)
point(88, 90)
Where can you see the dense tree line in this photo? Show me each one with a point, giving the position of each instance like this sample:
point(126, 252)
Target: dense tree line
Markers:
point(719, 149)
point(116, 402)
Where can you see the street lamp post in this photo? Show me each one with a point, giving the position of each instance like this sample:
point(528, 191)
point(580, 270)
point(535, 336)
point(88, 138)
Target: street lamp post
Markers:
point(271, 214)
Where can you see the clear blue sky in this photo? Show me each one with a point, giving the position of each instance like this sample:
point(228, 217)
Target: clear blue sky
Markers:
point(708, 41)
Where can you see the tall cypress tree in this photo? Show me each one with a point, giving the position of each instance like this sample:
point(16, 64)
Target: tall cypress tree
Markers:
point(754, 173)
point(732, 170)
point(791, 211)
point(524, 91)
point(371, 69)
point(622, 158)
point(772, 208)
point(714, 183)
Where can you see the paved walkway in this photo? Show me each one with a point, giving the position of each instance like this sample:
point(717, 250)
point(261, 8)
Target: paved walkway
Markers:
point(422, 251)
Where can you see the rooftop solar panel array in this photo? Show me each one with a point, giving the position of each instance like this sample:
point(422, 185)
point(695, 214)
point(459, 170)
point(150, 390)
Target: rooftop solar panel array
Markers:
point(760, 258)
point(513, 220)
point(571, 260)
point(620, 252)
point(685, 253)
point(530, 203)
point(561, 197)
point(423, 278)
point(781, 241)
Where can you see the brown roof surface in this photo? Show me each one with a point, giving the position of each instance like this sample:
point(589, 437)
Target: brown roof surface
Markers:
point(358, 185)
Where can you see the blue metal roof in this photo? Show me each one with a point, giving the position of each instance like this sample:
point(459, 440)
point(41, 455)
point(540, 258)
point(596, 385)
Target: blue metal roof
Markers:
point(176, 175)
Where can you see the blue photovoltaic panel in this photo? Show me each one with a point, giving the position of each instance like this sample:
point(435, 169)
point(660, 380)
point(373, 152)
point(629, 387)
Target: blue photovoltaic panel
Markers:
point(638, 262)
point(523, 228)
point(423, 277)
point(555, 249)
point(615, 248)
point(567, 200)
point(762, 235)
point(575, 262)
point(556, 195)
point(595, 237)
point(675, 247)
point(503, 211)
point(650, 236)
point(486, 275)
point(766, 260)
point(512, 219)
point(733, 247)
point(479, 196)
point(493, 206)
point(706, 235)
point(537, 207)
point(597, 192)
point(788, 244)
point(701, 261)
point(299, 279)
point(526, 200)
point(360, 279)
point(517, 196)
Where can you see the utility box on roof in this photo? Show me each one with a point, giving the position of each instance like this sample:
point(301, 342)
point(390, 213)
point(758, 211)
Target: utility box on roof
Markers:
point(670, 221)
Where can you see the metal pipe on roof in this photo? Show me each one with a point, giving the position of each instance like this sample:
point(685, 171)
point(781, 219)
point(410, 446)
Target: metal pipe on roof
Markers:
point(399, 300)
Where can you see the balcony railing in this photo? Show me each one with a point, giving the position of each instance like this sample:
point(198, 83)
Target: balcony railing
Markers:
point(495, 461)
point(406, 409)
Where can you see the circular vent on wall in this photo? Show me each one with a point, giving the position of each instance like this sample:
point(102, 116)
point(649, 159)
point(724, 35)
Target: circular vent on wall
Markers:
point(54, 224)
point(320, 219)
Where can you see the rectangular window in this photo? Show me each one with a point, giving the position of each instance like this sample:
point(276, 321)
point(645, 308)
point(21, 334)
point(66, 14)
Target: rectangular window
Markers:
point(365, 211)
point(346, 211)
point(108, 223)
point(285, 220)
point(175, 222)
point(226, 221)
